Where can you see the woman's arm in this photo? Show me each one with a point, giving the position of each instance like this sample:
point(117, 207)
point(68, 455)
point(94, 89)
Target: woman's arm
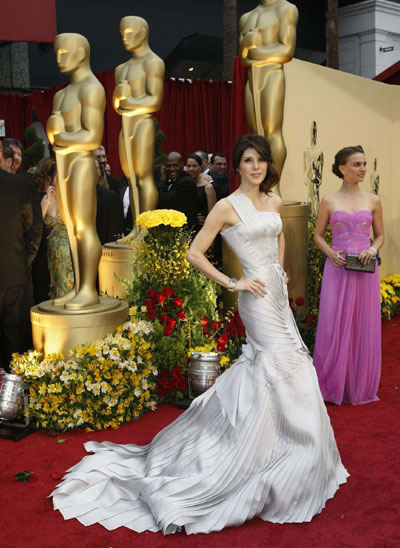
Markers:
point(377, 226)
point(48, 199)
point(320, 229)
point(211, 196)
point(218, 217)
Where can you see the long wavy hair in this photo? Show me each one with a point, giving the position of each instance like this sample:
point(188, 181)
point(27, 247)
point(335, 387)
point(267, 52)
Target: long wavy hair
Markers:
point(44, 173)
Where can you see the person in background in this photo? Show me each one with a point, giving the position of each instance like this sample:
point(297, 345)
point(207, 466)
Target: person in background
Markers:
point(206, 197)
point(58, 249)
point(19, 242)
point(43, 176)
point(178, 190)
point(8, 159)
point(204, 161)
point(109, 213)
point(17, 148)
point(347, 354)
point(218, 169)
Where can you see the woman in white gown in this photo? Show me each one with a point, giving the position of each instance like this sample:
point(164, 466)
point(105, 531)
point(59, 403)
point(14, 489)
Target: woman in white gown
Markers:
point(259, 442)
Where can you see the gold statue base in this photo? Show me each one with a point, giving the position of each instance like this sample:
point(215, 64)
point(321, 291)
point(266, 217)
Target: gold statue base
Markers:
point(55, 332)
point(115, 262)
point(295, 229)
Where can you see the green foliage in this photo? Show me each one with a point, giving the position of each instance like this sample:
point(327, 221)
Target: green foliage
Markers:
point(160, 157)
point(35, 151)
point(307, 323)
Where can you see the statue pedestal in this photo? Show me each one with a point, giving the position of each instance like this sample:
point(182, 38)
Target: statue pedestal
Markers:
point(115, 261)
point(295, 229)
point(54, 332)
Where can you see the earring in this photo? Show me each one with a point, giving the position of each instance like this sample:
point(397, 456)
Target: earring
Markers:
point(238, 171)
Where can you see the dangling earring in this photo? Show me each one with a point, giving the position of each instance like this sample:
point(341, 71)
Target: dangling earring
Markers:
point(238, 171)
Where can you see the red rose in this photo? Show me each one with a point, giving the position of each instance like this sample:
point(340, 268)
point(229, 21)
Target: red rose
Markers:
point(163, 318)
point(204, 321)
point(167, 292)
point(310, 318)
point(223, 339)
point(300, 301)
point(151, 313)
point(149, 303)
point(164, 308)
point(168, 330)
point(178, 302)
point(214, 326)
point(171, 322)
point(160, 298)
point(151, 293)
point(205, 330)
point(181, 315)
point(221, 347)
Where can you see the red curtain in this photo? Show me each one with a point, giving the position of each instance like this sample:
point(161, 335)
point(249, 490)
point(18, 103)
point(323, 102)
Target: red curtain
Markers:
point(16, 113)
point(194, 115)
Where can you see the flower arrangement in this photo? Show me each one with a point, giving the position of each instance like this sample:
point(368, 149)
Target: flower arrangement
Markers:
point(101, 385)
point(171, 294)
point(306, 323)
point(315, 269)
point(390, 296)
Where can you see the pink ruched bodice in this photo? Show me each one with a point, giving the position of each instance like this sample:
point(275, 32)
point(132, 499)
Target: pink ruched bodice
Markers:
point(351, 231)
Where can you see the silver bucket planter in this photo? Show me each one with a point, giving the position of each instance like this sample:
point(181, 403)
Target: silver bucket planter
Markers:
point(13, 401)
point(204, 368)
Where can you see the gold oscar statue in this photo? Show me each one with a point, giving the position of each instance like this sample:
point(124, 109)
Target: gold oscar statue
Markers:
point(267, 41)
point(138, 93)
point(313, 167)
point(375, 178)
point(75, 129)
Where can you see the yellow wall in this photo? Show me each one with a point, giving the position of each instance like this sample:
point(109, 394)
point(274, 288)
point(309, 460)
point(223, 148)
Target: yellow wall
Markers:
point(349, 110)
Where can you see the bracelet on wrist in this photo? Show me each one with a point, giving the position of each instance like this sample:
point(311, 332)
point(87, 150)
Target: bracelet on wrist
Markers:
point(372, 248)
point(232, 284)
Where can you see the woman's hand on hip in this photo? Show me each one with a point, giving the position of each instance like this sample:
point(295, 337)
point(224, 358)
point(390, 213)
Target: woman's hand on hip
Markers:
point(256, 286)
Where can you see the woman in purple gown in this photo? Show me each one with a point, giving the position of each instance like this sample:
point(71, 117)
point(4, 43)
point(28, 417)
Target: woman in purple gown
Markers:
point(347, 353)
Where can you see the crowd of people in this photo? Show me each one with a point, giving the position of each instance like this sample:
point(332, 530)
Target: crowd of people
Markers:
point(42, 253)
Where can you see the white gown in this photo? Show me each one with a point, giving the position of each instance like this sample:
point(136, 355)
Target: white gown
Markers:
point(258, 443)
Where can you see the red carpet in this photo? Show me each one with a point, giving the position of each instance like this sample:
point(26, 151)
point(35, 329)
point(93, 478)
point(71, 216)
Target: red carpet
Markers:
point(365, 512)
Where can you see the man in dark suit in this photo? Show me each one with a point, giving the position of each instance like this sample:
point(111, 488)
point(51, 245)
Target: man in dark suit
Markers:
point(220, 181)
point(179, 191)
point(19, 242)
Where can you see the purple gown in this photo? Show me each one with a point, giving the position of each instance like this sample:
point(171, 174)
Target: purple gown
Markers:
point(347, 353)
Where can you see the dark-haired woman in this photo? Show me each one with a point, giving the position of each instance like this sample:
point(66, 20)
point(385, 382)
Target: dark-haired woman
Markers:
point(58, 250)
point(259, 442)
point(206, 196)
point(347, 352)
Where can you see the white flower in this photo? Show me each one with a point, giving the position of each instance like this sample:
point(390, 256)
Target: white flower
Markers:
point(145, 384)
point(114, 354)
point(138, 392)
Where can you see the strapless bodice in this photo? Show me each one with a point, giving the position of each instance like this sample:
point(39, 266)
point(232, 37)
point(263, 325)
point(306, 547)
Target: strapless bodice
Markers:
point(351, 231)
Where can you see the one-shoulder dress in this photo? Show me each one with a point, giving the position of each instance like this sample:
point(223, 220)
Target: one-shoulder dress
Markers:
point(257, 443)
point(347, 352)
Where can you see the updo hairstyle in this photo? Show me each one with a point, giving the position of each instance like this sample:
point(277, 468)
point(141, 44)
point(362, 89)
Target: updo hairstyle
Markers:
point(264, 150)
point(342, 156)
